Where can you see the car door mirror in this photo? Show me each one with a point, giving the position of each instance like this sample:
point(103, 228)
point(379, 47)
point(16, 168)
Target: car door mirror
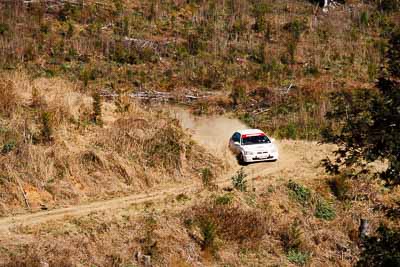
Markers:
point(273, 140)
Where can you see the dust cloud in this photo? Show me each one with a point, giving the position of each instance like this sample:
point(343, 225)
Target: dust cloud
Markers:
point(211, 132)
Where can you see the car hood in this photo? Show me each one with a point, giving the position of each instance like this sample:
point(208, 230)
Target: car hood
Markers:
point(262, 147)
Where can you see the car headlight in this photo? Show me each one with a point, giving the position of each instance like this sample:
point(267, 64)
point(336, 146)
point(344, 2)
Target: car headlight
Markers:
point(248, 153)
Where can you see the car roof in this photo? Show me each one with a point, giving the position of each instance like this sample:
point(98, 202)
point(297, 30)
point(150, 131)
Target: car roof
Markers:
point(250, 131)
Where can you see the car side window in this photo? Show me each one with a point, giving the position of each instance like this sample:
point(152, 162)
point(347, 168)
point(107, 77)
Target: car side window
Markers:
point(236, 137)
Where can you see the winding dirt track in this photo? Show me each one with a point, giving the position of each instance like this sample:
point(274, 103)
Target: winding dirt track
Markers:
point(211, 132)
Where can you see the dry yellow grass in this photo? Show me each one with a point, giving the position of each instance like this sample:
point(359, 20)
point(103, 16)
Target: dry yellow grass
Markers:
point(85, 161)
point(143, 150)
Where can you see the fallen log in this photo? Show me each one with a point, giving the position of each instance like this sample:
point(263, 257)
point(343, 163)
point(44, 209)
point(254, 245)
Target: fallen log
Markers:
point(159, 96)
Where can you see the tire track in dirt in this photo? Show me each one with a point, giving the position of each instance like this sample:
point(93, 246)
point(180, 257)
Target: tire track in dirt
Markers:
point(211, 132)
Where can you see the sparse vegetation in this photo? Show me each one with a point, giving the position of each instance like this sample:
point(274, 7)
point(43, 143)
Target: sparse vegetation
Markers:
point(300, 193)
point(324, 210)
point(8, 98)
point(75, 128)
point(239, 181)
point(97, 109)
point(293, 243)
point(208, 178)
point(8, 147)
point(166, 148)
point(292, 237)
point(149, 244)
point(229, 223)
point(297, 257)
point(46, 133)
point(208, 233)
point(225, 199)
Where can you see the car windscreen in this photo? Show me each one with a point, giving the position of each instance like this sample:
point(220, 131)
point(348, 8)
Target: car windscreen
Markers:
point(255, 140)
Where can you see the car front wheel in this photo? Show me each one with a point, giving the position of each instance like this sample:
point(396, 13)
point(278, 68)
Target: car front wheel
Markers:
point(241, 159)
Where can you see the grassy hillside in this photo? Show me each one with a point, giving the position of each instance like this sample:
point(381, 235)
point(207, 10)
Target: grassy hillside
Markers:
point(71, 134)
point(58, 150)
point(279, 58)
point(282, 222)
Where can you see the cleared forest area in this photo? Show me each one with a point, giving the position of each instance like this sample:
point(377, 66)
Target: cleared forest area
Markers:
point(99, 167)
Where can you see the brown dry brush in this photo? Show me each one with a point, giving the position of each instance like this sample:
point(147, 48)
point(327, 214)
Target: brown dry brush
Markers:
point(224, 44)
point(8, 98)
point(228, 222)
point(32, 259)
point(50, 148)
point(158, 144)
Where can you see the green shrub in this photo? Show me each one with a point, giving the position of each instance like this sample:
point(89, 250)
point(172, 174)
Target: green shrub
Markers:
point(299, 193)
point(311, 70)
point(364, 19)
point(291, 46)
point(238, 28)
point(229, 222)
point(289, 131)
point(273, 67)
point(97, 103)
point(239, 180)
point(147, 54)
point(207, 178)
point(4, 28)
point(292, 237)
point(194, 44)
point(70, 30)
point(45, 28)
point(260, 24)
point(149, 243)
point(209, 73)
point(46, 133)
point(87, 74)
point(297, 257)
point(224, 199)
point(124, 54)
point(238, 94)
point(259, 10)
point(324, 210)
point(8, 147)
point(258, 54)
point(295, 28)
point(208, 233)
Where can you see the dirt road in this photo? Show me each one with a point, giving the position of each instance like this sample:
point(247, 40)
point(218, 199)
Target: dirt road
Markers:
point(211, 132)
point(214, 132)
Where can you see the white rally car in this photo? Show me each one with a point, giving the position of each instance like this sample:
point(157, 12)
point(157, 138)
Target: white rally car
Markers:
point(253, 145)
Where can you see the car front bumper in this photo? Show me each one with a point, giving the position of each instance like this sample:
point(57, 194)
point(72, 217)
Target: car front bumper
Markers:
point(257, 158)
